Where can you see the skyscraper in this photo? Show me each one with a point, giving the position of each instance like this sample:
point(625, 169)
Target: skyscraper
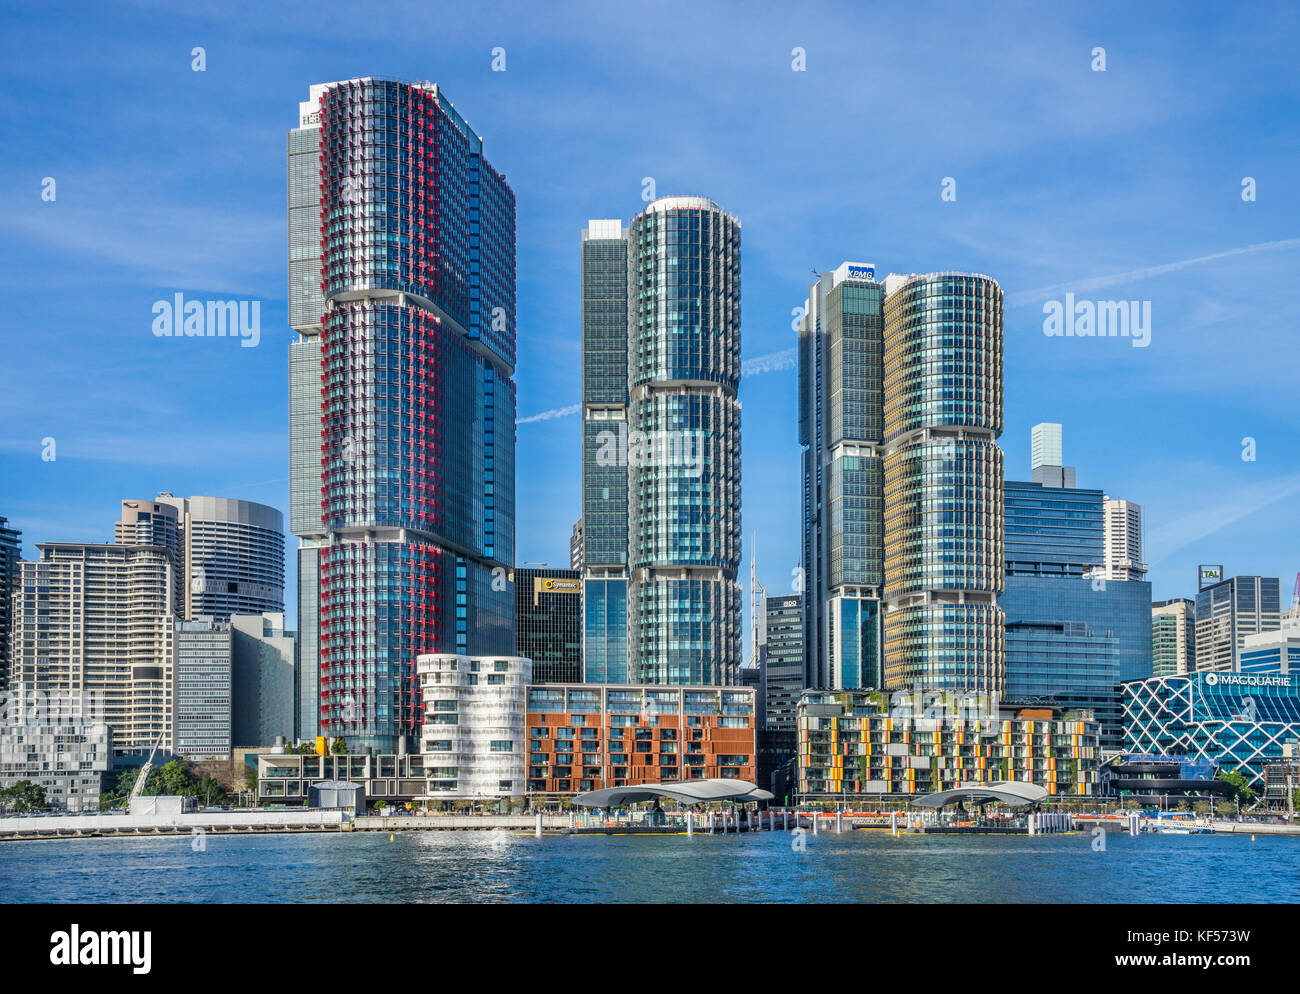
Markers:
point(11, 550)
point(93, 632)
point(1045, 456)
point(1228, 611)
point(783, 680)
point(1072, 637)
point(943, 515)
point(228, 554)
point(841, 429)
point(204, 688)
point(1123, 540)
point(548, 623)
point(683, 449)
point(603, 532)
point(1173, 637)
point(406, 518)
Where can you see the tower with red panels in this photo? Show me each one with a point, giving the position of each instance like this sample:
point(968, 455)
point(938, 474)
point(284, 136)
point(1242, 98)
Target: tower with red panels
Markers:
point(417, 405)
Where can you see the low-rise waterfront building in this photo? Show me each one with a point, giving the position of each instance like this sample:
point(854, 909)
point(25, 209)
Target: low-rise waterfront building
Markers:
point(583, 737)
point(473, 734)
point(69, 758)
point(1238, 721)
point(863, 743)
point(287, 778)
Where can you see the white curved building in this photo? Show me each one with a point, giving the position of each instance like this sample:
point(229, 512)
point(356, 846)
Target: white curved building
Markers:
point(472, 739)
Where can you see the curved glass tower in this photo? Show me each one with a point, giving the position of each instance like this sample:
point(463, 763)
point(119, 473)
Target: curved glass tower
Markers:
point(943, 530)
point(414, 337)
point(683, 443)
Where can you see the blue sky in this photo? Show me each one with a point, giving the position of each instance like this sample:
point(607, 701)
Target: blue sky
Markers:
point(1122, 184)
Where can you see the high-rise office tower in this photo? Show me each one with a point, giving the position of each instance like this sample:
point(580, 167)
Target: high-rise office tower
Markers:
point(683, 444)
point(229, 554)
point(1173, 637)
point(204, 688)
point(548, 622)
point(576, 541)
point(604, 438)
point(11, 550)
point(263, 679)
point(841, 428)
point(1071, 637)
point(402, 402)
point(94, 633)
point(943, 530)
point(1045, 456)
point(1228, 611)
point(784, 659)
point(1123, 541)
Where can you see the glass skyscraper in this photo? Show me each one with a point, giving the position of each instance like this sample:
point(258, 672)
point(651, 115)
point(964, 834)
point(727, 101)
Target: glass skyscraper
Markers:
point(402, 285)
point(943, 516)
point(841, 428)
point(604, 434)
point(683, 455)
point(1071, 636)
point(548, 628)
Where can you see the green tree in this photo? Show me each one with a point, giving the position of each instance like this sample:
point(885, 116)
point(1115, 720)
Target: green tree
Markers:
point(23, 797)
point(1239, 784)
point(338, 747)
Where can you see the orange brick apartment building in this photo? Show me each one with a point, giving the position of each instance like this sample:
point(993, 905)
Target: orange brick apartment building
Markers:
point(584, 736)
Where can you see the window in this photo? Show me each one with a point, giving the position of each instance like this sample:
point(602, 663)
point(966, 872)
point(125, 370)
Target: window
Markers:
point(502, 745)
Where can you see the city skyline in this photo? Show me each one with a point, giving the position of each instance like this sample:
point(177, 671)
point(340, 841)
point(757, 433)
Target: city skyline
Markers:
point(208, 221)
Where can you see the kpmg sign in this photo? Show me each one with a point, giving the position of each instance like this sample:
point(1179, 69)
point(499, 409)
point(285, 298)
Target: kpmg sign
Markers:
point(1246, 680)
point(862, 272)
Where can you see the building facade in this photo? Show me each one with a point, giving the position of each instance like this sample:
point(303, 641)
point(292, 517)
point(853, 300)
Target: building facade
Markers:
point(943, 517)
point(204, 688)
point(1230, 610)
point(69, 758)
point(603, 533)
point(841, 430)
point(406, 516)
point(548, 623)
point(683, 447)
point(473, 733)
point(94, 638)
point(862, 743)
point(229, 554)
point(1071, 635)
point(1123, 540)
point(784, 660)
point(1272, 652)
point(11, 553)
point(1173, 637)
point(1237, 721)
point(1046, 456)
point(264, 680)
point(582, 737)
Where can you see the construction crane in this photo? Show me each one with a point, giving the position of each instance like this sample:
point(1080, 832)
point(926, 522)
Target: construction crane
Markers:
point(144, 772)
point(1295, 600)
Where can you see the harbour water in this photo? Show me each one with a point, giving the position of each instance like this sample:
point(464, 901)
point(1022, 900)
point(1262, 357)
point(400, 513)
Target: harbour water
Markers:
point(861, 866)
